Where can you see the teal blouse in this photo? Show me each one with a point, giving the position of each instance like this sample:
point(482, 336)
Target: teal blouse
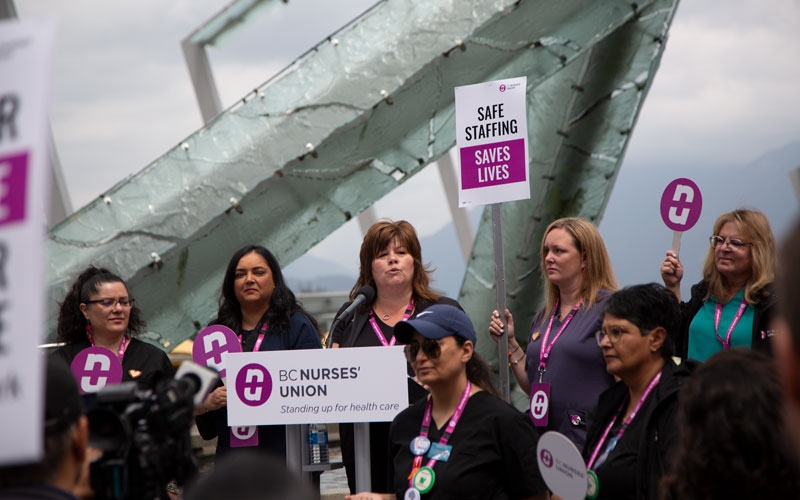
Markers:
point(703, 343)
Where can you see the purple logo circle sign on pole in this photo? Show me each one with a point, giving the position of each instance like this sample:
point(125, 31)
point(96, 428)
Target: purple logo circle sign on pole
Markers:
point(209, 345)
point(95, 368)
point(681, 204)
point(253, 384)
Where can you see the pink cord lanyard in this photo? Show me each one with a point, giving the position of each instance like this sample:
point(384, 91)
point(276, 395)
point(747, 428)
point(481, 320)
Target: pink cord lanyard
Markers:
point(451, 426)
point(258, 340)
point(726, 343)
point(544, 351)
point(378, 333)
point(613, 441)
point(122, 345)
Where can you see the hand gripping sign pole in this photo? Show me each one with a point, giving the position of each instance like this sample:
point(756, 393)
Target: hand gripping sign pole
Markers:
point(492, 138)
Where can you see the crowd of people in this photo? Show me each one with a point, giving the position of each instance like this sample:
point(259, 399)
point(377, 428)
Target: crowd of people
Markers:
point(664, 398)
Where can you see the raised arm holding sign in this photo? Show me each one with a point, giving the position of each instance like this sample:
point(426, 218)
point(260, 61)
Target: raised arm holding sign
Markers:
point(733, 304)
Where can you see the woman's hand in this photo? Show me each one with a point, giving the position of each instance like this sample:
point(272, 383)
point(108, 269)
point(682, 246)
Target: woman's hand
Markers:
point(370, 496)
point(217, 399)
point(496, 328)
point(672, 272)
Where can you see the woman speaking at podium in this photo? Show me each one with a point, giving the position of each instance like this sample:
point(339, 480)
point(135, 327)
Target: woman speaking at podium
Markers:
point(390, 263)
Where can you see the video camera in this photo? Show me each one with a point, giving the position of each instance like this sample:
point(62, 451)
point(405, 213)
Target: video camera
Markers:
point(144, 434)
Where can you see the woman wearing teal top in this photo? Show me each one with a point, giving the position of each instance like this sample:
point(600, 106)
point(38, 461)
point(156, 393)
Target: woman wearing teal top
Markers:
point(733, 305)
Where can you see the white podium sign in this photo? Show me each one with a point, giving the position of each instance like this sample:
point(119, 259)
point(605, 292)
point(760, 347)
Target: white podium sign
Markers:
point(363, 384)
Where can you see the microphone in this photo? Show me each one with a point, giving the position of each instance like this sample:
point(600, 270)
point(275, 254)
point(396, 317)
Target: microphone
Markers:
point(365, 294)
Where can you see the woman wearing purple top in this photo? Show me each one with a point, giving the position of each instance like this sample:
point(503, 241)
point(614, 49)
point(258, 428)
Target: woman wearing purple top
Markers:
point(562, 366)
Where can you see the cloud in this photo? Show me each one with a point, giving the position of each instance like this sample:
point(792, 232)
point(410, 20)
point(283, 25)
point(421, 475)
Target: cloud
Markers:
point(726, 88)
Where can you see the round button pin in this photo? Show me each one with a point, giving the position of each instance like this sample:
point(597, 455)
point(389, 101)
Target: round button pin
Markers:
point(424, 479)
point(420, 445)
point(592, 485)
point(412, 494)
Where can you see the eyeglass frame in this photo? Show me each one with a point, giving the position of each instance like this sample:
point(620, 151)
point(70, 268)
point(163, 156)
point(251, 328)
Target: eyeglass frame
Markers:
point(432, 348)
point(128, 302)
point(599, 334)
point(732, 243)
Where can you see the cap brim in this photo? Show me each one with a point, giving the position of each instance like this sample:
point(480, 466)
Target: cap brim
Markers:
point(404, 330)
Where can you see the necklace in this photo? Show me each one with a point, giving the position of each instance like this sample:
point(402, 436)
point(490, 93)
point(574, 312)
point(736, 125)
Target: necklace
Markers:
point(409, 310)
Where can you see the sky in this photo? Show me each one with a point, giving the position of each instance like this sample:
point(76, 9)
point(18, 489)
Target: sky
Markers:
point(726, 91)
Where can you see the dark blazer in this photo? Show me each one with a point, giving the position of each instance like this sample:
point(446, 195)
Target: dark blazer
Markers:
point(348, 332)
point(661, 429)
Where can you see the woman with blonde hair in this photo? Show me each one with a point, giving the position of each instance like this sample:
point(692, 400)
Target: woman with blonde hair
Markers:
point(562, 367)
point(734, 303)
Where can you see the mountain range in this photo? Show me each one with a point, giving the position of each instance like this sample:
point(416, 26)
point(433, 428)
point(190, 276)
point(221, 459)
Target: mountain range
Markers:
point(632, 228)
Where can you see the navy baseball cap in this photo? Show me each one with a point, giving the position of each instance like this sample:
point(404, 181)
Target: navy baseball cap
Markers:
point(436, 322)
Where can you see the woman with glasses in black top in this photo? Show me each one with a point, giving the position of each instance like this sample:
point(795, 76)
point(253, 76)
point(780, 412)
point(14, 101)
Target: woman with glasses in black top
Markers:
point(98, 311)
point(633, 430)
point(734, 303)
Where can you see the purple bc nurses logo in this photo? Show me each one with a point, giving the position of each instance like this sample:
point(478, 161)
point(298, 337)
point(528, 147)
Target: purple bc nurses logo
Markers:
point(681, 204)
point(209, 345)
point(502, 87)
point(95, 368)
point(13, 178)
point(547, 458)
point(253, 384)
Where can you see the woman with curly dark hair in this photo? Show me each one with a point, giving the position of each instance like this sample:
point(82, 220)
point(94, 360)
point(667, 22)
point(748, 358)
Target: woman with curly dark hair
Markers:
point(98, 311)
point(259, 307)
point(733, 443)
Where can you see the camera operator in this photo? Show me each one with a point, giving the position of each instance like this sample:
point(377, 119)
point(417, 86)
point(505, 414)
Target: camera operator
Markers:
point(66, 435)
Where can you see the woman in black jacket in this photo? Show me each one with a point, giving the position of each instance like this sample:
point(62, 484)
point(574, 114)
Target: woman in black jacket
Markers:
point(633, 427)
point(734, 303)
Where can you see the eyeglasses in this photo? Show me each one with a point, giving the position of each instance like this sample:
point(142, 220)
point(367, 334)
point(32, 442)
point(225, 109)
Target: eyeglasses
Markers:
point(431, 348)
point(733, 243)
point(614, 334)
point(122, 301)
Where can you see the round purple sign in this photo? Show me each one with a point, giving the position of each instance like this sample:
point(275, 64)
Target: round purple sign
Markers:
point(681, 204)
point(209, 345)
point(253, 384)
point(95, 368)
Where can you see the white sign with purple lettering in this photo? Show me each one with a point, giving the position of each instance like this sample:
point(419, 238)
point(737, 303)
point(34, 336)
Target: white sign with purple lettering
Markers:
point(563, 469)
point(26, 54)
point(360, 384)
point(492, 139)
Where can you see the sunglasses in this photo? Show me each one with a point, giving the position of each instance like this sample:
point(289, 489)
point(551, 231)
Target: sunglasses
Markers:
point(431, 348)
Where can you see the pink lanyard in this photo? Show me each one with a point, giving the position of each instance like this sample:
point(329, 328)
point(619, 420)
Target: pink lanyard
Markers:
point(726, 343)
point(544, 351)
point(378, 333)
point(627, 421)
point(258, 340)
point(122, 345)
point(451, 426)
